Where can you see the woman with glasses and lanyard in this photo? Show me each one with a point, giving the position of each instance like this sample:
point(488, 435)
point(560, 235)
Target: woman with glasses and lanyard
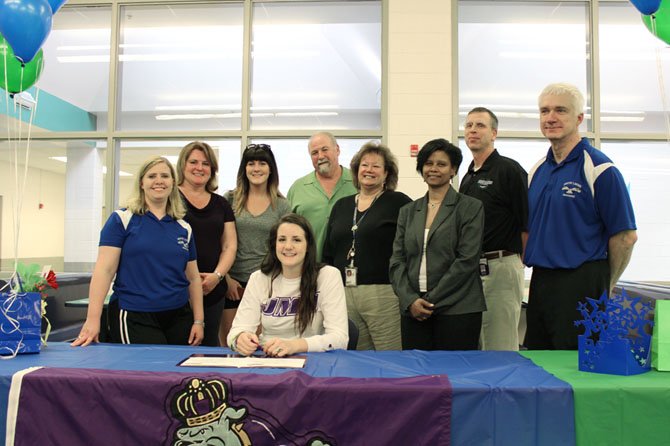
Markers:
point(213, 224)
point(258, 205)
point(359, 242)
point(435, 263)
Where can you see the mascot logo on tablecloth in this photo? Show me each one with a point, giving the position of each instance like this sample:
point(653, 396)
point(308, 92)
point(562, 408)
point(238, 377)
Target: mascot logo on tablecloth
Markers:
point(206, 417)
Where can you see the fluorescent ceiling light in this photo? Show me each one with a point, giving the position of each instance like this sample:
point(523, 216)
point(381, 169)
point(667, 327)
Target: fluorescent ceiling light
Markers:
point(63, 159)
point(284, 54)
point(297, 107)
point(542, 55)
point(82, 59)
point(622, 118)
point(82, 47)
point(192, 116)
point(196, 107)
point(305, 114)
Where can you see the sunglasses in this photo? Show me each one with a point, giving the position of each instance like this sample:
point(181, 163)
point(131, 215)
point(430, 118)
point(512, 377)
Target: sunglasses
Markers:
point(264, 147)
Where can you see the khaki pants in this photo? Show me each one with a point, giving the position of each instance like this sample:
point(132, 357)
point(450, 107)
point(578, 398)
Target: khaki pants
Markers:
point(503, 289)
point(375, 311)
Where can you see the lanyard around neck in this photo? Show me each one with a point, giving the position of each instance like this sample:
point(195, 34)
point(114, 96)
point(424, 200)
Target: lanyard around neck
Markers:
point(354, 226)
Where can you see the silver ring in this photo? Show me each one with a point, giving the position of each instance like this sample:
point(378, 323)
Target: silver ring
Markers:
point(279, 350)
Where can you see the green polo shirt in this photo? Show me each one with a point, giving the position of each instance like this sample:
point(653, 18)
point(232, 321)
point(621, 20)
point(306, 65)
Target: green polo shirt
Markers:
point(308, 199)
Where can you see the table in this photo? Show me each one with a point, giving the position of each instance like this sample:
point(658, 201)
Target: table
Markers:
point(613, 410)
point(496, 398)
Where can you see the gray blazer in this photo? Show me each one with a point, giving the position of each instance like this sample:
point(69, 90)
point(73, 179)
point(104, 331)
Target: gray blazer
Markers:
point(452, 255)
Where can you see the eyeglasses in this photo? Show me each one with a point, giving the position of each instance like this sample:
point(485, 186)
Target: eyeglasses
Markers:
point(264, 147)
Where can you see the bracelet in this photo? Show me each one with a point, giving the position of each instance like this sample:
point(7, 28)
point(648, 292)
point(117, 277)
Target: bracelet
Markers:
point(199, 322)
point(218, 274)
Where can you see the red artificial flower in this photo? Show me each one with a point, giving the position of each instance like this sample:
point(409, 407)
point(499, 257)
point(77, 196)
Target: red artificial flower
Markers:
point(51, 280)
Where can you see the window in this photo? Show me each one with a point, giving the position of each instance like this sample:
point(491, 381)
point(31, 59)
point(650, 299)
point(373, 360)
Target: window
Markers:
point(180, 67)
point(509, 51)
point(316, 65)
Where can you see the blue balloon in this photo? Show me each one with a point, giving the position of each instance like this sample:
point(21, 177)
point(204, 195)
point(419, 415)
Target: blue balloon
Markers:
point(646, 7)
point(25, 24)
point(55, 5)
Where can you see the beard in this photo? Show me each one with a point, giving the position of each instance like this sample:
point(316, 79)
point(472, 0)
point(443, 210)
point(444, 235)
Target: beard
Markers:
point(324, 168)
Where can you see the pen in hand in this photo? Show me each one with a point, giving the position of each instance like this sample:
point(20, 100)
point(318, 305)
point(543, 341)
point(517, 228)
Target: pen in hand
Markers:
point(258, 346)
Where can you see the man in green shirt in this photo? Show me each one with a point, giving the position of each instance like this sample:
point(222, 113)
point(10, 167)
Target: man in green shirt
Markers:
point(314, 195)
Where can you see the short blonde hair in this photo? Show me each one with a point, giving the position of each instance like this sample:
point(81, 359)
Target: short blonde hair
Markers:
point(559, 89)
point(137, 203)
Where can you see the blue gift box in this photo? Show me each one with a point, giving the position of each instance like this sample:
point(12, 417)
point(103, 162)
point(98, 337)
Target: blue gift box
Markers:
point(617, 335)
point(20, 323)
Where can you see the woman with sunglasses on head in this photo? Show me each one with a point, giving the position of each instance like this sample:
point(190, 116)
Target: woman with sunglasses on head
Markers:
point(213, 223)
point(258, 205)
point(296, 304)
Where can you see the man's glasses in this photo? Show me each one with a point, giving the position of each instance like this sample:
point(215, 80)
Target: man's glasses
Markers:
point(264, 147)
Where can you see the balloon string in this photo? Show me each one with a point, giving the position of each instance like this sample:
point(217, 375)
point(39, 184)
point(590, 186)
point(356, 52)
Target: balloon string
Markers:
point(664, 99)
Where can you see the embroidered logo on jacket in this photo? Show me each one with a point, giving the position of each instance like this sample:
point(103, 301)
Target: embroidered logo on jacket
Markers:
point(483, 184)
point(570, 188)
point(183, 242)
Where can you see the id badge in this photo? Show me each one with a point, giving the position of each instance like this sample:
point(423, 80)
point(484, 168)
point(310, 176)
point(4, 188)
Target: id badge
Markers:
point(350, 275)
point(483, 267)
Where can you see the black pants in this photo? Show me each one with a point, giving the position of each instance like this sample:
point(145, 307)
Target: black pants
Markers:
point(552, 303)
point(441, 332)
point(212, 321)
point(159, 327)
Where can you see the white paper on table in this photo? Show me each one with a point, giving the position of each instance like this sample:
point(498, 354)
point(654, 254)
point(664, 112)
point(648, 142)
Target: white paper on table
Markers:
point(200, 360)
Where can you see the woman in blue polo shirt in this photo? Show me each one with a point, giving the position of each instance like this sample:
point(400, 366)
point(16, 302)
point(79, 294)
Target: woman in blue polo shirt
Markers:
point(148, 247)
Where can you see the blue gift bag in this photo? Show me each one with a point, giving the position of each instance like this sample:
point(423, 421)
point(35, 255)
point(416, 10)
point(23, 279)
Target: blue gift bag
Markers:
point(20, 323)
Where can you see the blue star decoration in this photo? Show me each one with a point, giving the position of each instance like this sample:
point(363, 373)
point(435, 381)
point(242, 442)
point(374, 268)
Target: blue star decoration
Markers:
point(617, 334)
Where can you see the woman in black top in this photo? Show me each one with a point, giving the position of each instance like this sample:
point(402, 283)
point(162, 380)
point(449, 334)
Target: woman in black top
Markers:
point(359, 242)
point(213, 224)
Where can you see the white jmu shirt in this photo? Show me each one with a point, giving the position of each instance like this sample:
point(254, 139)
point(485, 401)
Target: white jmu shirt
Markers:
point(276, 314)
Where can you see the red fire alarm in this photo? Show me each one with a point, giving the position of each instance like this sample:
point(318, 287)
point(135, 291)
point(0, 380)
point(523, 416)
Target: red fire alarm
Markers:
point(41, 205)
point(414, 149)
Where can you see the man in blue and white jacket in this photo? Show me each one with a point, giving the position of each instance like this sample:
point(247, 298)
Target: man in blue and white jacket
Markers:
point(581, 226)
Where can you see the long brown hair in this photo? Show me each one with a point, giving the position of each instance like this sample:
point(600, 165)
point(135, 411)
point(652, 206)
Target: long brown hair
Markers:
point(255, 152)
point(310, 269)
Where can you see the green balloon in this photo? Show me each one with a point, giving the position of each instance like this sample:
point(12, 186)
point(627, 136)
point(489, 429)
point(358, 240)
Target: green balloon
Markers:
point(660, 21)
point(20, 76)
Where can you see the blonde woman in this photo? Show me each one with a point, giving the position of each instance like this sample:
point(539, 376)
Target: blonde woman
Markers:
point(157, 295)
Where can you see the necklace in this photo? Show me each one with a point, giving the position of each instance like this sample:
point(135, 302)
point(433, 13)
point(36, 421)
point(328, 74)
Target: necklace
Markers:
point(434, 204)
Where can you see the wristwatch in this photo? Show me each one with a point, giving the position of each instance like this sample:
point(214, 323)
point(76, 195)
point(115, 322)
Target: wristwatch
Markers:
point(218, 274)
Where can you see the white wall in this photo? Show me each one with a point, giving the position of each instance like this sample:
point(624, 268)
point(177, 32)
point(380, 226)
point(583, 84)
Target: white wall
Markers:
point(419, 76)
point(41, 231)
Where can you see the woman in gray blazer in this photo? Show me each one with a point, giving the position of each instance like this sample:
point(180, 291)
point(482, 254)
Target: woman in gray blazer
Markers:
point(434, 268)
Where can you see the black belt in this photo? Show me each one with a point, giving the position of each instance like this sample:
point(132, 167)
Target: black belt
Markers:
point(491, 255)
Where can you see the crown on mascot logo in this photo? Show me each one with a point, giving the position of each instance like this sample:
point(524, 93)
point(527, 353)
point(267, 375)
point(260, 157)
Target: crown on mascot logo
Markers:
point(201, 402)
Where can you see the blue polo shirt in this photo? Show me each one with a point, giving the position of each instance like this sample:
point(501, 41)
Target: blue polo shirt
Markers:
point(151, 275)
point(568, 223)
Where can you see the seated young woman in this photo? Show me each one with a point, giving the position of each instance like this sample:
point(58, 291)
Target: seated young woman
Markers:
point(298, 303)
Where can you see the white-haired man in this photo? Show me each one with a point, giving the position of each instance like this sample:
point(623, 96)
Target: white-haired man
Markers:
point(581, 225)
